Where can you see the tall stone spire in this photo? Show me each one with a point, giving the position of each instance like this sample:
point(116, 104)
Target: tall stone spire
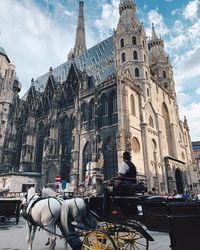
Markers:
point(127, 9)
point(80, 44)
point(153, 35)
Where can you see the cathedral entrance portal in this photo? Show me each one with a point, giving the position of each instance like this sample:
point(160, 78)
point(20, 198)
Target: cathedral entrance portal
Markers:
point(179, 181)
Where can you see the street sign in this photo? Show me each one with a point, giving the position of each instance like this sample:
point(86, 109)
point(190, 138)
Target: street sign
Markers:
point(57, 178)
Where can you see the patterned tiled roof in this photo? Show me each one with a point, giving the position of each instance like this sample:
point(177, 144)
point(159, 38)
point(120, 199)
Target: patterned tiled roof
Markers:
point(98, 62)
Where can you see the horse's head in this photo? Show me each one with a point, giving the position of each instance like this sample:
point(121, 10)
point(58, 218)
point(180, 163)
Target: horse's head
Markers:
point(30, 194)
point(81, 213)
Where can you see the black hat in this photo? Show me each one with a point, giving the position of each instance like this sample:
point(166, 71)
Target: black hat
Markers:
point(126, 155)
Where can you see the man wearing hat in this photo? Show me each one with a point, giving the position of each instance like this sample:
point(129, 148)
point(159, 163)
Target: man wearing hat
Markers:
point(127, 171)
point(121, 184)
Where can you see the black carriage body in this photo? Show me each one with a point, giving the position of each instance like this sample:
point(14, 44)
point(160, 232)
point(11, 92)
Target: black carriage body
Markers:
point(10, 208)
point(121, 209)
point(179, 218)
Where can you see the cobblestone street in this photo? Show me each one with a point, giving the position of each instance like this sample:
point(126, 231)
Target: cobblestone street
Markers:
point(13, 237)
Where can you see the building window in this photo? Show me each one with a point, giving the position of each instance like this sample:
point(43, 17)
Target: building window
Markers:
point(134, 40)
point(146, 75)
point(40, 146)
point(104, 111)
point(123, 57)
point(135, 55)
point(151, 122)
point(122, 42)
point(91, 114)
point(165, 85)
point(84, 116)
point(164, 74)
point(145, 60)
point(132, 105)
point(136, 145)
point(113, 108)
point(147, 92)
point(86, 158)
point(109, 149)
point(137, 72)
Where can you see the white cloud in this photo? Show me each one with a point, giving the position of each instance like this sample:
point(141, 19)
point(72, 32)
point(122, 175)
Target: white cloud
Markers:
point(174, 12)
point(192, 112)
point(198, 91)
point(109, 18)
point(34, 39)
point(158, 20)
point(68, 13)
point(191, 9)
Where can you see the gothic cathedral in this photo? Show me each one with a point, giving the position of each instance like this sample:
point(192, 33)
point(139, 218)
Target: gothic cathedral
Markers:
point(118, 95)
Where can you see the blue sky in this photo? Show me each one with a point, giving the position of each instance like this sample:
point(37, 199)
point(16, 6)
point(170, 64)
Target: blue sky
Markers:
point(38, 34)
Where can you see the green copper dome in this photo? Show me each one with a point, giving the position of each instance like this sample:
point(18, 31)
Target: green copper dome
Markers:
point(2, 51)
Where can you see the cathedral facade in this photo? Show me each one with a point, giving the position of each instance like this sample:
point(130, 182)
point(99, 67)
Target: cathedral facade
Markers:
point(118, 95)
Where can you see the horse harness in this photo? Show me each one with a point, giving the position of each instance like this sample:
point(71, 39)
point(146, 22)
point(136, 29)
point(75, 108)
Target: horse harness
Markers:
point(27, 214)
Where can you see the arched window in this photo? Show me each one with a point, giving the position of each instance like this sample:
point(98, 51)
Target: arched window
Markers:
point(91, 114)
point(168, 132)
point(145, 60)
point(16, 160)
point(84, 116)
point(110, 158)
point(104, 111)
point(40, 146)
point(135, 55)
point(146, 75)
point(134, 40)
point(135, 145)
point(154, 147)
point(66, 127)
point(164, 74)
point(122, 42)
point(137, 72)
point(87, 157)
point(183, 156)
point(123, 57)
point(147, 92)
point(151, 122)
point(132, 105)
point(113, 109)
point(165, 85)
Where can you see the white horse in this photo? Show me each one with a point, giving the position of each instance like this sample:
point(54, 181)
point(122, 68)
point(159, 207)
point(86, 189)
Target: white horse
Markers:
point(44, 213)
point(52, 211)
point(75, 210)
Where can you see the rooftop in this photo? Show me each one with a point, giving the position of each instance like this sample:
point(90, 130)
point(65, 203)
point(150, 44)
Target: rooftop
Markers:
point(98, 62)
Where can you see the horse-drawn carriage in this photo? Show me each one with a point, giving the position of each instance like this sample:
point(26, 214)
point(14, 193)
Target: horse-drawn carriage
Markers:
point(127, 222)
point(125, 226)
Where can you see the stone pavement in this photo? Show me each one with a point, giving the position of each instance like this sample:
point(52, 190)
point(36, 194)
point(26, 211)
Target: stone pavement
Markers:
point(13, 237)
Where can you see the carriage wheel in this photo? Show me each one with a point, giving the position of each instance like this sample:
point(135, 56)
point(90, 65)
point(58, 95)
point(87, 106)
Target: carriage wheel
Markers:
point(131, 240)
point(98, 240)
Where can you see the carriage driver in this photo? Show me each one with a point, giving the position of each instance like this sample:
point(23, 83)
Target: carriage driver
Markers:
point(121, 184)
point(127, 171)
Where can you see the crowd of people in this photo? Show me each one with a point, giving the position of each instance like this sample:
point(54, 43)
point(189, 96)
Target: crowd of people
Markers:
point(187, 195)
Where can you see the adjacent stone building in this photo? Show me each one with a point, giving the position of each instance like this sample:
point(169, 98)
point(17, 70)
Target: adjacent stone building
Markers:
point(118, 95)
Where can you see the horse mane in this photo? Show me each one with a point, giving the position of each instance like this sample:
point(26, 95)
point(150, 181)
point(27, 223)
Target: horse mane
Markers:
point(48, 192)
point(30, 193)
